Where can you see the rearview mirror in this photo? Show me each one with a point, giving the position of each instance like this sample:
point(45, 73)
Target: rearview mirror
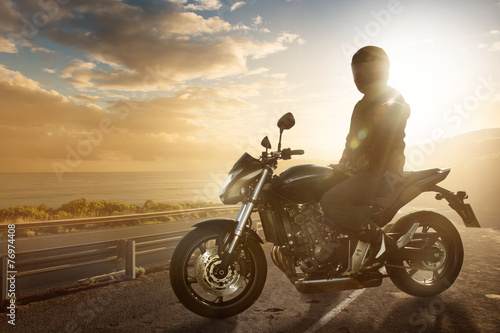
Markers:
point(286, 121)
point(266, 143)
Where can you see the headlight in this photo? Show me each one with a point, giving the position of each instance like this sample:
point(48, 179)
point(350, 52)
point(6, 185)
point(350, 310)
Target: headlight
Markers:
point(228, 180)
point(235, 187)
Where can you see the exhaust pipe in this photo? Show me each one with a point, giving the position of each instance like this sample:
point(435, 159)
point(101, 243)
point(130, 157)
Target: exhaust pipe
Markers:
point(283, 263)
point(319, 286)
point(335, 284)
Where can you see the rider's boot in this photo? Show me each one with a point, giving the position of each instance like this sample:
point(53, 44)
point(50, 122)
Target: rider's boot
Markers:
point(381, 245)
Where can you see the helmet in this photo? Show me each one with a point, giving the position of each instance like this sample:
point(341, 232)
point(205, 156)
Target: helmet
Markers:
point(370, 68)
point(370, 53)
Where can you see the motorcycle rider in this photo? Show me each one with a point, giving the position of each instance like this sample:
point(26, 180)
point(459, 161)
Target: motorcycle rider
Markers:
point(373, 154)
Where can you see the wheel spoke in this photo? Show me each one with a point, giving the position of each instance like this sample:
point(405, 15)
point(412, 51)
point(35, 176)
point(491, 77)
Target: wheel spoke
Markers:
point(425, 229)
point(191, 280)
point(218, 300)
point(202, 247)
point(412, 272)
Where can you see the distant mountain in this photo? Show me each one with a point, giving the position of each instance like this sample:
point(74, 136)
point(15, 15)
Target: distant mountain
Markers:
point(474, 159)
point(453, 151)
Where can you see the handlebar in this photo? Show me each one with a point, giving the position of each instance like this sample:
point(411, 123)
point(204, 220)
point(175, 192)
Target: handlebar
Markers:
point(298, 152)
point(287, 153)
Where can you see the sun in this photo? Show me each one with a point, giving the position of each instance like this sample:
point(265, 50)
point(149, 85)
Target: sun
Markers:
point(431, 82)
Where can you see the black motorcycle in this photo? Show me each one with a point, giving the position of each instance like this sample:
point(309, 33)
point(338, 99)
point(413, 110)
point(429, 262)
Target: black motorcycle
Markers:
point(218, 269)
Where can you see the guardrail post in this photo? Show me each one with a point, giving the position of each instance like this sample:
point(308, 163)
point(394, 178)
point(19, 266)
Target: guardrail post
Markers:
point(130, 259)
point(4, 281)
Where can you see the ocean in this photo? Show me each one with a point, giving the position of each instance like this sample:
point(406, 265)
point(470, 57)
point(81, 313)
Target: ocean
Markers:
point(19, 189)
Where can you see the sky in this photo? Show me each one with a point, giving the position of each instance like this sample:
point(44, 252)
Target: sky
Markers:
point(175, 85)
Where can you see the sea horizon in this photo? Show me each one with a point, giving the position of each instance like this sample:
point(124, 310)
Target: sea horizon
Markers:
point(35, 188)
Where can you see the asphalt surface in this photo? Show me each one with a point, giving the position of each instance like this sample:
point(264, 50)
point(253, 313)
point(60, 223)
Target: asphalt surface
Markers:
point(148, 304)
point(101, 235)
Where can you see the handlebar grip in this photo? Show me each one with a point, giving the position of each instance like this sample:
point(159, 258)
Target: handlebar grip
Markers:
point(287, 153)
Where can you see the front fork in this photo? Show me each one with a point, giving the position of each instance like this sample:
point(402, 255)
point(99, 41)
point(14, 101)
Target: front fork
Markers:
point(242, 218)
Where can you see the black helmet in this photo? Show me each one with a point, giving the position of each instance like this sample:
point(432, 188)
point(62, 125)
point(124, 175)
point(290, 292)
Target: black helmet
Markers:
point(370, 53)
point(370, 68)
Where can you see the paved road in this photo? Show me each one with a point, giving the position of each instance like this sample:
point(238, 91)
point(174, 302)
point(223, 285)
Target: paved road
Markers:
point(148, 304)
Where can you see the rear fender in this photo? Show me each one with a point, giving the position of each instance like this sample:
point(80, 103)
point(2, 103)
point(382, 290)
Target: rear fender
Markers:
point(226, 224)
point(456, 201)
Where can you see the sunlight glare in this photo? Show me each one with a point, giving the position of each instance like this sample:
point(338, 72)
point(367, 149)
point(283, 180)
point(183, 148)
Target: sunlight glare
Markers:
point(429, 81)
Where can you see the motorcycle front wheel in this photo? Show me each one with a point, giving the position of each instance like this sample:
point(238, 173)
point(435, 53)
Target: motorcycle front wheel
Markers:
point(428, 278)
point(205, 289)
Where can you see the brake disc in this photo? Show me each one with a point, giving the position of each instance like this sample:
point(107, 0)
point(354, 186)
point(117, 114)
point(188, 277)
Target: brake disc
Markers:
point(210, 279)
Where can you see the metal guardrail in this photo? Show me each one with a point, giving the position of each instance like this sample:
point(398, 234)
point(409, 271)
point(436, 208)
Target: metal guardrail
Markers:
point(116, 218)
point(52, 267)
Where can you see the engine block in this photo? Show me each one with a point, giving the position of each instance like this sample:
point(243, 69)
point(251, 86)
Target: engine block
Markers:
point(313, 241)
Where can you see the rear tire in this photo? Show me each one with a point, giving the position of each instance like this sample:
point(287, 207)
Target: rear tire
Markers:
point(198, 286)
point(423, 278)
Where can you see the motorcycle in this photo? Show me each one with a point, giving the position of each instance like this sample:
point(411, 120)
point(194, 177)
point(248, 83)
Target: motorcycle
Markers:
point(219, 269)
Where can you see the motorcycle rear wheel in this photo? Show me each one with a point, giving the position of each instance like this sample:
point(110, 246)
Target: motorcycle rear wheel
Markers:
point(423, 278)
point(195, 278)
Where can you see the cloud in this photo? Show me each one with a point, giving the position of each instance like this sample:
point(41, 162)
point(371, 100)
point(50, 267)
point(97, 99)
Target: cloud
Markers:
point(76, 65)
point(495, 47)
point(164, 48)
point(27, 105)
point(38, 123)
point(157, 48)
point(237, 5)
point(43, 125)
point(10, 17)
point(201, 5)
point(7, 46)
point(257, 20)
point(41, 50)
point(14, 78)
point(87, 98)
point(193, 25)
point(286, 37)
point(186, 112)
point(260, 70)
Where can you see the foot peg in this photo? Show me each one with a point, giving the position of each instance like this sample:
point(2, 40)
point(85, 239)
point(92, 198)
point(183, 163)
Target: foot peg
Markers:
point(405, 239)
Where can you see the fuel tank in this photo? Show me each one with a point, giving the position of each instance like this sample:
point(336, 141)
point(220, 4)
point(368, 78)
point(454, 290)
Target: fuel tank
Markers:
point(306, 183)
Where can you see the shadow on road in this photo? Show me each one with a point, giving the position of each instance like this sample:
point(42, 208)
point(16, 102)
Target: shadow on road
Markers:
point(432, 314)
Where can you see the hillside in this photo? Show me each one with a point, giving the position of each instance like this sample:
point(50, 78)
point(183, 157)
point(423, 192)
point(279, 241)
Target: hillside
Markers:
point(454, 151)
point(474, 158)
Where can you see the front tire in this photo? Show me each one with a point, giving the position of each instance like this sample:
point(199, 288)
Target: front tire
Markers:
point(197, 284)
point(424, 278)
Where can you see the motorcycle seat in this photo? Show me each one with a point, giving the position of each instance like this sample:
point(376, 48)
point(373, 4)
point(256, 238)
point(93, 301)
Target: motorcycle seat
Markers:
point(411, 177)
point(404, 193)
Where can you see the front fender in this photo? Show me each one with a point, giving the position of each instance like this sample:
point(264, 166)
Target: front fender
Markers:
point(226, 224)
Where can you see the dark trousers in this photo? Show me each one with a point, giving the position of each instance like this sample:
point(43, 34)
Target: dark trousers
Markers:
point(347, 203)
